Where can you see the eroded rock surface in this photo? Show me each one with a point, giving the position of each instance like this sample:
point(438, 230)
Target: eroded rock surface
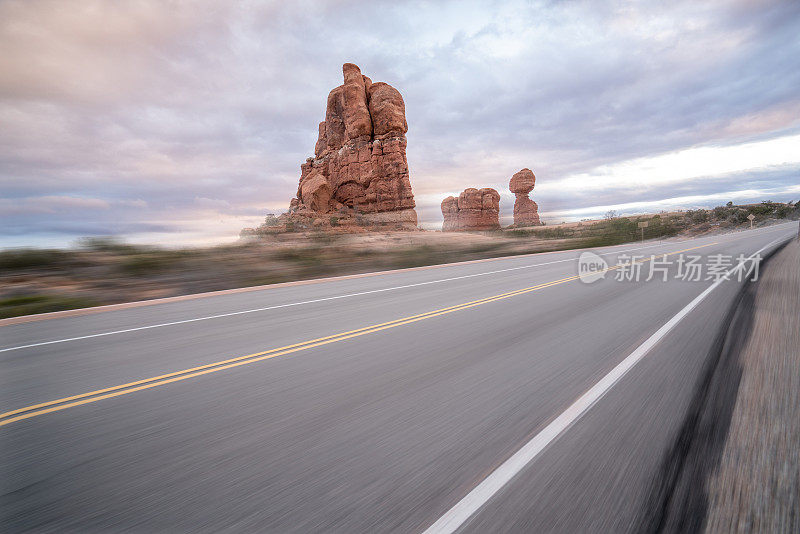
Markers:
point(474, 209)
point(359, 173)
point(526, 211)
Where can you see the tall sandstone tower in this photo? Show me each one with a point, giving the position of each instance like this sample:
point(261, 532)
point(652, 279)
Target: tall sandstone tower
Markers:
point(359, 170)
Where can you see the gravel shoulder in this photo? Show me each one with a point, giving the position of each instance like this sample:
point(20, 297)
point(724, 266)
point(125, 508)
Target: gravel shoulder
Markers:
point(756, 487)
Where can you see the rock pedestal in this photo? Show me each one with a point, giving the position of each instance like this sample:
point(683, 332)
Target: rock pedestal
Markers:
point(526, 212)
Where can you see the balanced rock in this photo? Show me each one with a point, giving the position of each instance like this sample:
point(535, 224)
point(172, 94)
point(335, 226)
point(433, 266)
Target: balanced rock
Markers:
point(359, 169)
point(474, 209)
point(526, 212)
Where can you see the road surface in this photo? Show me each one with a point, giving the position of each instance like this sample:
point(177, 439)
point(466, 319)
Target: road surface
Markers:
point(489, 396)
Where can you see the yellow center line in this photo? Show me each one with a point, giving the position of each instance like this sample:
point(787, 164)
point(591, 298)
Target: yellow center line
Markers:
point(147, 383)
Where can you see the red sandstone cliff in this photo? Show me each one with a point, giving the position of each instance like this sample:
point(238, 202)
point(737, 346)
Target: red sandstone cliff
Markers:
point(474, 209)
point(359, 171)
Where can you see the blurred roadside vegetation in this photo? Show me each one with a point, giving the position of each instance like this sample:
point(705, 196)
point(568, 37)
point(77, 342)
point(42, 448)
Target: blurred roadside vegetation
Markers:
point(616, 229)
point(106, 271)
point(32, 304)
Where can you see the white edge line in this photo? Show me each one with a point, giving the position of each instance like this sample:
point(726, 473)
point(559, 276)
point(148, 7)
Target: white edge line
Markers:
point(480, 495)
point(266, 308)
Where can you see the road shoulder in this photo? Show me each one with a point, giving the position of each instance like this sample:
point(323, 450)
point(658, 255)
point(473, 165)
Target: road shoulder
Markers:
point(757, 485)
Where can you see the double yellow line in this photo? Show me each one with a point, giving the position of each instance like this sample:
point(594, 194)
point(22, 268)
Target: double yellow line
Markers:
point(147, 383)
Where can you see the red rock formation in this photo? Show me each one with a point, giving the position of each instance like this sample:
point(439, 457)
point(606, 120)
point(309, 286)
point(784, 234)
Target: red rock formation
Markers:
point(526, 212)
point(359, 169)
point(474, 209)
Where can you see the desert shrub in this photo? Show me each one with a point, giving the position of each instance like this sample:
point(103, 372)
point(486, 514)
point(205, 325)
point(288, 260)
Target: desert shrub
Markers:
point(31, 304)
point(761, 209)
point(659, 227)
point(739, 215)
point(150, 263)
point(623, 227)
point(418, 256)
point(721, 213)
point(541, 233)
point(554, 233)
point(783, 211)
point(484, 248)
point(305, 256)
point(32, 258)
point(519, 233)
point(108, 244)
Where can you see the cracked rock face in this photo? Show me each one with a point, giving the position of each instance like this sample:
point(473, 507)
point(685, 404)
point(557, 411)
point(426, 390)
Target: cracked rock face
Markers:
point(359, 165)
point(474, 209)
point(526, 211)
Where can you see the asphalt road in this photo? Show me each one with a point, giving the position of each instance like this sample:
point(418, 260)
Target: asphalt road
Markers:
point(391, 400)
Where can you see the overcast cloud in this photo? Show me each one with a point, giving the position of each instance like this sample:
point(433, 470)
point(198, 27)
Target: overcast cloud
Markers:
point(181, 122)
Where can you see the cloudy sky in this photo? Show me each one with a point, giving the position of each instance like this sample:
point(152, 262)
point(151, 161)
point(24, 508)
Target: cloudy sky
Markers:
point(181, 122)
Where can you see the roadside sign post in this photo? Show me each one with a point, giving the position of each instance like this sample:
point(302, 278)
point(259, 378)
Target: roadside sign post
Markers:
point(643, 225)
point(751, 217)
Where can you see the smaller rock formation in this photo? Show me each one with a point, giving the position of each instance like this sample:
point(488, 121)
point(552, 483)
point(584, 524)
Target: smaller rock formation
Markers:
point(474, 209)
point(526, 212)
